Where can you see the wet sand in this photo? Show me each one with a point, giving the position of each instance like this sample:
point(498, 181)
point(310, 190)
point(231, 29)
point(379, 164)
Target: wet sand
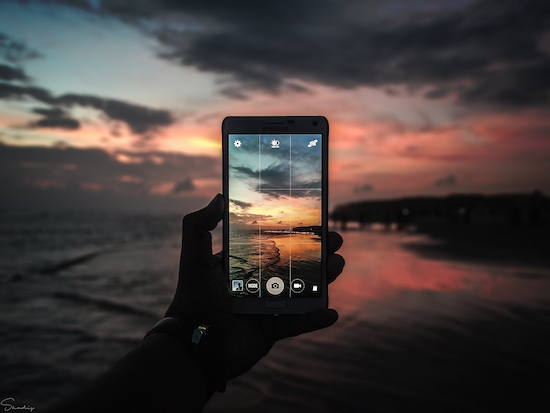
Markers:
point(414, 334)
point(487, 242)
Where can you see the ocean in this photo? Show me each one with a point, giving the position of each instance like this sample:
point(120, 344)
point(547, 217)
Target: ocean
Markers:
point(266, 254)
point(416, 332)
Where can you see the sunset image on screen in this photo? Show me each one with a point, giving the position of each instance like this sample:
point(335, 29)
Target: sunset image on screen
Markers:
point(275, 209)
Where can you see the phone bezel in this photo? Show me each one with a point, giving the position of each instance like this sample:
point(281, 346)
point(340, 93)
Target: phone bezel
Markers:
point(278, 125)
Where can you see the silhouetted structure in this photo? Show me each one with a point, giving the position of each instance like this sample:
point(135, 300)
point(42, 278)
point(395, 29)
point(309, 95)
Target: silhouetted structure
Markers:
point(308, 230)
point(510, 209)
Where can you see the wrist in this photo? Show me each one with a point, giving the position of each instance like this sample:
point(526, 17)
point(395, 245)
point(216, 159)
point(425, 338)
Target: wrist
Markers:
point(171, 370)
point(203, 342)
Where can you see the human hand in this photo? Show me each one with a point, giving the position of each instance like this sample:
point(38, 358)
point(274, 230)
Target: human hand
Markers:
point(202, 298)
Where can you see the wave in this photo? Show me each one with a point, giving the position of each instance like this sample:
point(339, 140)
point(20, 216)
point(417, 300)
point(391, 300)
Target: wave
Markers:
point(65, 264)
point(246, 260)
point(106, 304)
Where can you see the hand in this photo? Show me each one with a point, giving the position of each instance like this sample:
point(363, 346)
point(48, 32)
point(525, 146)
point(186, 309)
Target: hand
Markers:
point(202, 297)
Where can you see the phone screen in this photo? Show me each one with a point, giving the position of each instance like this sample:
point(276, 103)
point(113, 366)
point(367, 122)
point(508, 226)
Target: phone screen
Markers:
point(275, 200)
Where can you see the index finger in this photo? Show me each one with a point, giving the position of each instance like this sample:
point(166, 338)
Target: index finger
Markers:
point(335, 241)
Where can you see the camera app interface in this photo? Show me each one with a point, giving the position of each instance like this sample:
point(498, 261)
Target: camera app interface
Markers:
point(275, 215)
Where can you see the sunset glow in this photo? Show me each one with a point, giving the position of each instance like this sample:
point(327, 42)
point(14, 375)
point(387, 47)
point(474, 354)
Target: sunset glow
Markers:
point(152, 103)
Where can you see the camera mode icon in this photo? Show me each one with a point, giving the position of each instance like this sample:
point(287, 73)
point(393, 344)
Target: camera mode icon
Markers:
point(275, 286)
point(253, 285)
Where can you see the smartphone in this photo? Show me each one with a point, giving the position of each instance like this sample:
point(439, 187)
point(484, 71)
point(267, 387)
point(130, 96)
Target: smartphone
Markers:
point(275, 185)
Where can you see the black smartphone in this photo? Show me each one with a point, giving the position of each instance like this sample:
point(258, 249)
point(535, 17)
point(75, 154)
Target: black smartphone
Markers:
point(275, 185)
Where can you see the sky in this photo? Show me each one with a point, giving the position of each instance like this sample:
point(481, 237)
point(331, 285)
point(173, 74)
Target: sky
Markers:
point(275, 181)
point(110, 104)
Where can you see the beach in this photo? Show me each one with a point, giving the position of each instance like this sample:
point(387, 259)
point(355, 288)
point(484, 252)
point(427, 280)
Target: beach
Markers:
point(284, 255)
point(414, 334)
point(417, 332)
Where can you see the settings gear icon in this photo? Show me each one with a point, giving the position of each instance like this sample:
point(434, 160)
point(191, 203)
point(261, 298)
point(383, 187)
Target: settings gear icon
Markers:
point(237, 143)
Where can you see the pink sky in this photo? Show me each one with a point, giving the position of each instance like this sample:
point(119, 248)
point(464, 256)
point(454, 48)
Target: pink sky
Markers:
point(430, 129)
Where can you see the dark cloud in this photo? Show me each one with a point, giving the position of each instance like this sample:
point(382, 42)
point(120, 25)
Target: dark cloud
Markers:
point(54, 118)
point(66, 177)
point(275, 181)
point(139, 118)
point(63, 123)
point(16, 51)
point(275, 176)
point(485, 51)
point(241, 204)
point(245, 171)
point(50, 113)
point(239, 219)
point(11, 73)
point(363, 188)
point(449, 180)
point(13, 91)
point(184, 186)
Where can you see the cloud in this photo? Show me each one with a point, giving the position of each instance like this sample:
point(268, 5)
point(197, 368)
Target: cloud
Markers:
point(241, 204)
point(363, 188)
point(140, 119)
point(275, 181)
point(184, 186)
point(483, 51)
point(63, 123)
point(67, 177)
point(275, 176)
point(449, 180)
point(11, 73)
point(16, 51)
point(54, 118)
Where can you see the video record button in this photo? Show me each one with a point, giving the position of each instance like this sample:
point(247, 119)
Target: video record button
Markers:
point(298, 285)
point(275, 304)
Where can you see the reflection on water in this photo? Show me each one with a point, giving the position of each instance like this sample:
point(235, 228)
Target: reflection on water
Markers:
point(379, 269)
point(413, 335)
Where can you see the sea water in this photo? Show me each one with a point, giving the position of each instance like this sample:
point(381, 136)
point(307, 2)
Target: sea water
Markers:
point(265, 254)
point(79, 290)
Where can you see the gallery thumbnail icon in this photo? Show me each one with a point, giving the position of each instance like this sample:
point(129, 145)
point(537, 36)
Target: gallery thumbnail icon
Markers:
point(237, 285)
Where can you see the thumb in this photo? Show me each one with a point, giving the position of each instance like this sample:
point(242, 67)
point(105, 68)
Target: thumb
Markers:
point(196, 238)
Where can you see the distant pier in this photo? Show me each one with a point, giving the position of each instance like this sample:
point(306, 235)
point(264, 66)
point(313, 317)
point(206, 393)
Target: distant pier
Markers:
point(464, 209)
point(311, 230)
